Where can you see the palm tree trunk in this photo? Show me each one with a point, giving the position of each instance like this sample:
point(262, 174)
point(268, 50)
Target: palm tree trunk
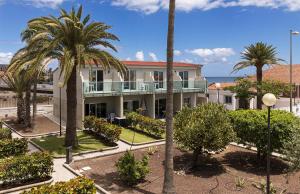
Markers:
point(27, 107)
point(71, 137)
point(20, 109)
point(168, 187)
point(34, 99)
point(259, 77)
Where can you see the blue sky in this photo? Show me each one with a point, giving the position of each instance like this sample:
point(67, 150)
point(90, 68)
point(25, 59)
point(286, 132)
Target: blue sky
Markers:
point(209, 32)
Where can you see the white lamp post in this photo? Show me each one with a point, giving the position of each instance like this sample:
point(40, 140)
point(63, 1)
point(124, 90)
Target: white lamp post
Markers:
point(218, 86)
point(269, 100)
point(60, 85)
point(292, 33)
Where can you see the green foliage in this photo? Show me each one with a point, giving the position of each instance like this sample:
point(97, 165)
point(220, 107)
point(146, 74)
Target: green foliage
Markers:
point(147, 125)
point(20, 169)
point(79, 185)
point(242, 88)
point(251, 127)
point(131, 170)
point(13, 147)
point(262, 186)
point(292, 151)
point(101, 127)
point(5, 133)
point(206, 126)
point(275, 87)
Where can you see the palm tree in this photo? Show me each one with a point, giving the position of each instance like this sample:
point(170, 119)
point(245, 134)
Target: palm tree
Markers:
point(74, 42)
point(258, 55)
point(168, 175)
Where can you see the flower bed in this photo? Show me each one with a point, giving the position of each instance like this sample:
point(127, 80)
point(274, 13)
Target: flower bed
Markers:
point(13, 147)
point(5, 133)
point(24, 169)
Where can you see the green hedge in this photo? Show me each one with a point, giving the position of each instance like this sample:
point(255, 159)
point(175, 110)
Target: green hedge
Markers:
point(13, 147)
point(5, 133)
point(145, 124)
point(21, 169)
point(79, 185)
point(101, 127)
point(251, 127)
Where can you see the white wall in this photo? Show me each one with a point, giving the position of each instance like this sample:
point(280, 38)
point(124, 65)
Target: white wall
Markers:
point(213, 97)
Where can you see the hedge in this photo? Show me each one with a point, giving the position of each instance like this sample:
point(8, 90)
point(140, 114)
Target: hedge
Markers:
point(13, 147)
point(153, 127)
point(79, 185)
point(5, 133)
point(251, 127)
point(21, 169)
point(108, 131)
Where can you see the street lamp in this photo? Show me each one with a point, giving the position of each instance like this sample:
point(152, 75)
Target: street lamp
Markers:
point(292, 33)
point(218, 86)
point(269, 100)
point(60, 85)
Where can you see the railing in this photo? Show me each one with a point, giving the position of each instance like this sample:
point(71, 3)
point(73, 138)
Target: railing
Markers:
point(141, 87)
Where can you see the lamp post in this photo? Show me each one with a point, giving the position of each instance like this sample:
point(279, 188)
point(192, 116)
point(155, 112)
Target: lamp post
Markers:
point(292, 33)
point(218, 86)
point(269, 100)
point(60, 85)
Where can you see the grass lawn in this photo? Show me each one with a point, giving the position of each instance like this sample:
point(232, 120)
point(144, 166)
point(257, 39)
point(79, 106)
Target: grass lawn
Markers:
point(127, 135)
point(55, 144)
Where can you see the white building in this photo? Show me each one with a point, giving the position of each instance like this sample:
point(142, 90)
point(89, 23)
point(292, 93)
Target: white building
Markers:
point(107, 93)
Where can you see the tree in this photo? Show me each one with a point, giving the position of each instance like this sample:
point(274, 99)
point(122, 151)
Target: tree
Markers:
point(292, 151)
point(251, 128)
point(74, 42)
point(258, 55)
point(206, 127)
point(168, 186)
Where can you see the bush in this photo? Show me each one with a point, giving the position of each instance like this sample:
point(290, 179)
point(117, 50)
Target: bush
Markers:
point(131, 170)
point(147, 125)
point(13, 147)
point(20, 169)
point(251, 127)
point(101, 127)
point(5, 133)
point(205, 127)
point(79, 185)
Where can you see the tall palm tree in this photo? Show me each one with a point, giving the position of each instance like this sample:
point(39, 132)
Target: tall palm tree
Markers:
point(258, 55)
point(168, 175)
point(74, 42)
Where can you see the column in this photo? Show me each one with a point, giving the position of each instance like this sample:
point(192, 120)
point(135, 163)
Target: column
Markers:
point(178, 102)
point(119, 106)
point(194, 99)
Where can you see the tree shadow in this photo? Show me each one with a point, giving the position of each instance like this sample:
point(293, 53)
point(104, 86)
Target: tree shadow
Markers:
point(247, 162)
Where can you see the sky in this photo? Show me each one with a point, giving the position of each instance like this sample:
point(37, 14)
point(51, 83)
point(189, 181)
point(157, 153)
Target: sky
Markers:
point(208, 32)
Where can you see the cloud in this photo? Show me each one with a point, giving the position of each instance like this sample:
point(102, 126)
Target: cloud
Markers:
point(139, 56)
point(177, 52)
point(153, 56)
point(39, 3)
point(187, 61)
point(152, 6)
point(214, 55)
point(5, 57)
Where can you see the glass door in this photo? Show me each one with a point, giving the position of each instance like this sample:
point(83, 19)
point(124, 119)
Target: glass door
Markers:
point(160, 108)
point(96, 78)
point(159, 79)
point(101, 110)
point(185, 78)
point(130, 80)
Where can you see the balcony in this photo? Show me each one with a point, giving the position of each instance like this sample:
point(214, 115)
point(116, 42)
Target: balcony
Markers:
point(111, 88)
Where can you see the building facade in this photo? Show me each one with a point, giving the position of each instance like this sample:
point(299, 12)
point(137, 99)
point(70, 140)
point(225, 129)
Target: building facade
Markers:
point(106, 93)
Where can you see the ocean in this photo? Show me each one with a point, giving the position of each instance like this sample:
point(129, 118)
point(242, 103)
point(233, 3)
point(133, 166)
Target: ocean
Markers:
point(220, 79)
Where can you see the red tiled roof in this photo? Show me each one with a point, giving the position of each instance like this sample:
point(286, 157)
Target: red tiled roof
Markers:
point(281, 73)
point(158, 64)
point(222, 85)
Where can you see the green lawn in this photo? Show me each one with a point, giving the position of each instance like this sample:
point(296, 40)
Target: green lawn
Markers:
point(127, 135)
point(55, 144)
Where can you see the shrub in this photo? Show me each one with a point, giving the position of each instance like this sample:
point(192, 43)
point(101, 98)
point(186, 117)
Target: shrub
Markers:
point(5, 133)
point(251, 127)
point(20, 169)
point(131, 170)
point(101, 127)
point(206, 127)
point(79, 185)
point(13, 147)
point(147, 125)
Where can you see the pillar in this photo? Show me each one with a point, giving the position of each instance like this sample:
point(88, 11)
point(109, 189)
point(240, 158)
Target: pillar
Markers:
point(119, 106)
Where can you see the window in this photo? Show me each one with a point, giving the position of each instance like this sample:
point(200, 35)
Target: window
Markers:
point(96, 79)
point(159, 79)
point(228, 99)
point(130, 106)
point(187, 102)
point(185, 78)
point(98, 110)
point(130, 80)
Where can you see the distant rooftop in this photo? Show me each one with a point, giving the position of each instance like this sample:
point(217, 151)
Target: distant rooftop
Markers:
point(158, 64)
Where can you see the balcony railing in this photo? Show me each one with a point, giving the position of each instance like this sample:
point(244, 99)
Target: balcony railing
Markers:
point(112, 87)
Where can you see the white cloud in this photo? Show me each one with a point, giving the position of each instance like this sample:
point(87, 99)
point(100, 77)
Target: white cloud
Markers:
point(152, 6)
point(128, 59)
point(177, 52)
point(5, 57)
point(45, 3)
point(139, 56)
point(213, 55)
point(187, 61)
point(153, 56)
